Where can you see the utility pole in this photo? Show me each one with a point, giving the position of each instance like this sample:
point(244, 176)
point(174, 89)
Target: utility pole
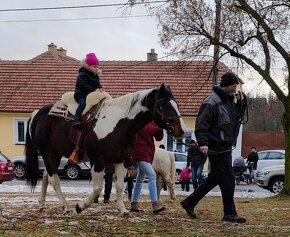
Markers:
point(217, 31)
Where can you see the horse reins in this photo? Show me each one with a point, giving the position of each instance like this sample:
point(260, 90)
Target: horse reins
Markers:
point(209, 151)
point(160, 110)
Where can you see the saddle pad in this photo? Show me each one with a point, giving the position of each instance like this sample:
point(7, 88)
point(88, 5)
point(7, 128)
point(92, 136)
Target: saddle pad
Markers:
point(59, 109)
point(92, 99)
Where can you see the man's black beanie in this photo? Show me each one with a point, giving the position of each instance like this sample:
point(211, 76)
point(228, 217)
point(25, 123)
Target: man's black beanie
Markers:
point(229, 79)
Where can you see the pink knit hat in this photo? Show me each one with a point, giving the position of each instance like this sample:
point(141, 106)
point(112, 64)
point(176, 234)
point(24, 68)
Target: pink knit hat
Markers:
point(91, 59)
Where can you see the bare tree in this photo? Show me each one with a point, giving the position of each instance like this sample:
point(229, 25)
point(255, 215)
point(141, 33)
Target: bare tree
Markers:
point(267, 113)
point(254, 32)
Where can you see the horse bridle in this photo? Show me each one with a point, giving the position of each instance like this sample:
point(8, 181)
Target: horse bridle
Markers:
point(159, 109)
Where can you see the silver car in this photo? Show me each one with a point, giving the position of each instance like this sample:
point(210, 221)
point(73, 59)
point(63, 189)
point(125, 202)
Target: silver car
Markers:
point(180, 161)
point(270, 158)
point(271, 178)
point(64, 169)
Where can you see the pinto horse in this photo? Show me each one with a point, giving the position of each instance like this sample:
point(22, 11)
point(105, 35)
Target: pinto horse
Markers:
point(109, 138)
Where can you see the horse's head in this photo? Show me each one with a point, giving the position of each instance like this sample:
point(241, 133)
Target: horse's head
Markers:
point(166, 114)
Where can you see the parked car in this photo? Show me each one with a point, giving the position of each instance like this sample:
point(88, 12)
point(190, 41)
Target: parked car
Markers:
point(6, 168)
point(66, 169)
point(271, 178)
point(180, 161)
point(270, 158)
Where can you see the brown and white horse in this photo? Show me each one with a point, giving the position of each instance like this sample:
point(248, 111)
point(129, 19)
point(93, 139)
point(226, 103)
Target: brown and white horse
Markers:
point(109, 138)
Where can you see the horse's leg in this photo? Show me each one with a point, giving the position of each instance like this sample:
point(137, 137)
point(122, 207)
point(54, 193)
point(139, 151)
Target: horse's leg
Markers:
point(169, 182)
point(41, 199)
point(120, 171)
point(97, 179)
point(55, 183)
point(130, 187)
point(158, 184)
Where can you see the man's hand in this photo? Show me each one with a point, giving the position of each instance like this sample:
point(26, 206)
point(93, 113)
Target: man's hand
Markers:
point(204, 149)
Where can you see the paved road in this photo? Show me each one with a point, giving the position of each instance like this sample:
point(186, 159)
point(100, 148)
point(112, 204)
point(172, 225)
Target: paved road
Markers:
point(243, 187)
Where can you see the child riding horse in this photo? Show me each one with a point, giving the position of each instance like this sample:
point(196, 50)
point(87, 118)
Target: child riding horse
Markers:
point(109, 138)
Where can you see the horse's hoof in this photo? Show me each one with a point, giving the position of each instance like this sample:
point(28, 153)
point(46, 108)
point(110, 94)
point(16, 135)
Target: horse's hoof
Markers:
point(78, 209)
point(41, 209)
point(125, 214)
point(66, 212)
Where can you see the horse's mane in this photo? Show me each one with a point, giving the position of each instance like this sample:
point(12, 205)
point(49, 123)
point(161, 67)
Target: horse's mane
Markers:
point(129, 101)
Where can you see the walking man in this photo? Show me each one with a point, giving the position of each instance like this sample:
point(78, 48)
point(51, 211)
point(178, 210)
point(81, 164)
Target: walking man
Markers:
point(216, 131)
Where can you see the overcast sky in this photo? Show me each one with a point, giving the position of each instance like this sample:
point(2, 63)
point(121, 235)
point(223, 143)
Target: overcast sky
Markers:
point(108, 33)
point(110, 38)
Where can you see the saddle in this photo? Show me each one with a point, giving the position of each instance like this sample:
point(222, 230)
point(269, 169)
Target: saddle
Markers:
point(67, 106)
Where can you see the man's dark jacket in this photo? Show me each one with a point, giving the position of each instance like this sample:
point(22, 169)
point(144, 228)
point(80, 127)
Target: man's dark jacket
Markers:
point(195, 157)
point(217, 123)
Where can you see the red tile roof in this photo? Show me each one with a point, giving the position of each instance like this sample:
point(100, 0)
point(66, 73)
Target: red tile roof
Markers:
point(28, 85)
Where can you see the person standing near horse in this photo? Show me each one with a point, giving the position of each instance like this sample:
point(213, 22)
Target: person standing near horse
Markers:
point(109, 171)
point(216, 131)
point(87, 81)
point(196, 159)
point(142, 156)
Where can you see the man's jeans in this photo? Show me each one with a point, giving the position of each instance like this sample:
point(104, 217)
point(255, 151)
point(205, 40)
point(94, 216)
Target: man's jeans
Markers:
point(197, 175)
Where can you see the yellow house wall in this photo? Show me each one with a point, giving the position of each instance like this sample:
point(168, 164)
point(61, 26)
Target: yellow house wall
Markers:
point(7, 144)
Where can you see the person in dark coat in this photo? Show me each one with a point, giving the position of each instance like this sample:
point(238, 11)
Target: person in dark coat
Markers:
point(109, 171)
point(196, 160)
point(253, 157)
point(216, 131)
point(252, 162)
point(87, 81)
point(142, 156)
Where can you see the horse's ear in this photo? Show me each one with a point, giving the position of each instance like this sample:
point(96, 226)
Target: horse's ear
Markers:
point(162, 91)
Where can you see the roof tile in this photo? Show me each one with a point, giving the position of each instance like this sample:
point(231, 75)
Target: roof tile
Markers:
point(28, 85)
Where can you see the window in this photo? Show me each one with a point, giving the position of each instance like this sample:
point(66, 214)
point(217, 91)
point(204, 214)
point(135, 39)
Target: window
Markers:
point(272, 155)
point(180, 157)
point(275, 156)
point(172, 145)
point(262, 155)
point(19, 126)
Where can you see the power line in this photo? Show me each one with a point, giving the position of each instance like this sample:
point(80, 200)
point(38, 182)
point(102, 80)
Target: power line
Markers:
point(74, 19)
point(77, 7)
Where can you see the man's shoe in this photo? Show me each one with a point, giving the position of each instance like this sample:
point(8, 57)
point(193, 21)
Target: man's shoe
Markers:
point(96, 200)
point(106, 200)
point(234, 219)
point(188, 209)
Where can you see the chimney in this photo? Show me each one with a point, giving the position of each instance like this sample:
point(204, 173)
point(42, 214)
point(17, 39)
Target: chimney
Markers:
point(152, 56)
point(61, 51)
point(52, 48)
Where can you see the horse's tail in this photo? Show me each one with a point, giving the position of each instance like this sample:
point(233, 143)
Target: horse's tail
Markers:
point(31, 161)
point(173, 168)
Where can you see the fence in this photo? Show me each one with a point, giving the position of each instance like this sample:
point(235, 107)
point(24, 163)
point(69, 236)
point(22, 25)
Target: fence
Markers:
point(262, 141)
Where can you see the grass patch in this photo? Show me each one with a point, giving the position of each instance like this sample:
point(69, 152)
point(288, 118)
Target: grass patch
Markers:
point(20, 217)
